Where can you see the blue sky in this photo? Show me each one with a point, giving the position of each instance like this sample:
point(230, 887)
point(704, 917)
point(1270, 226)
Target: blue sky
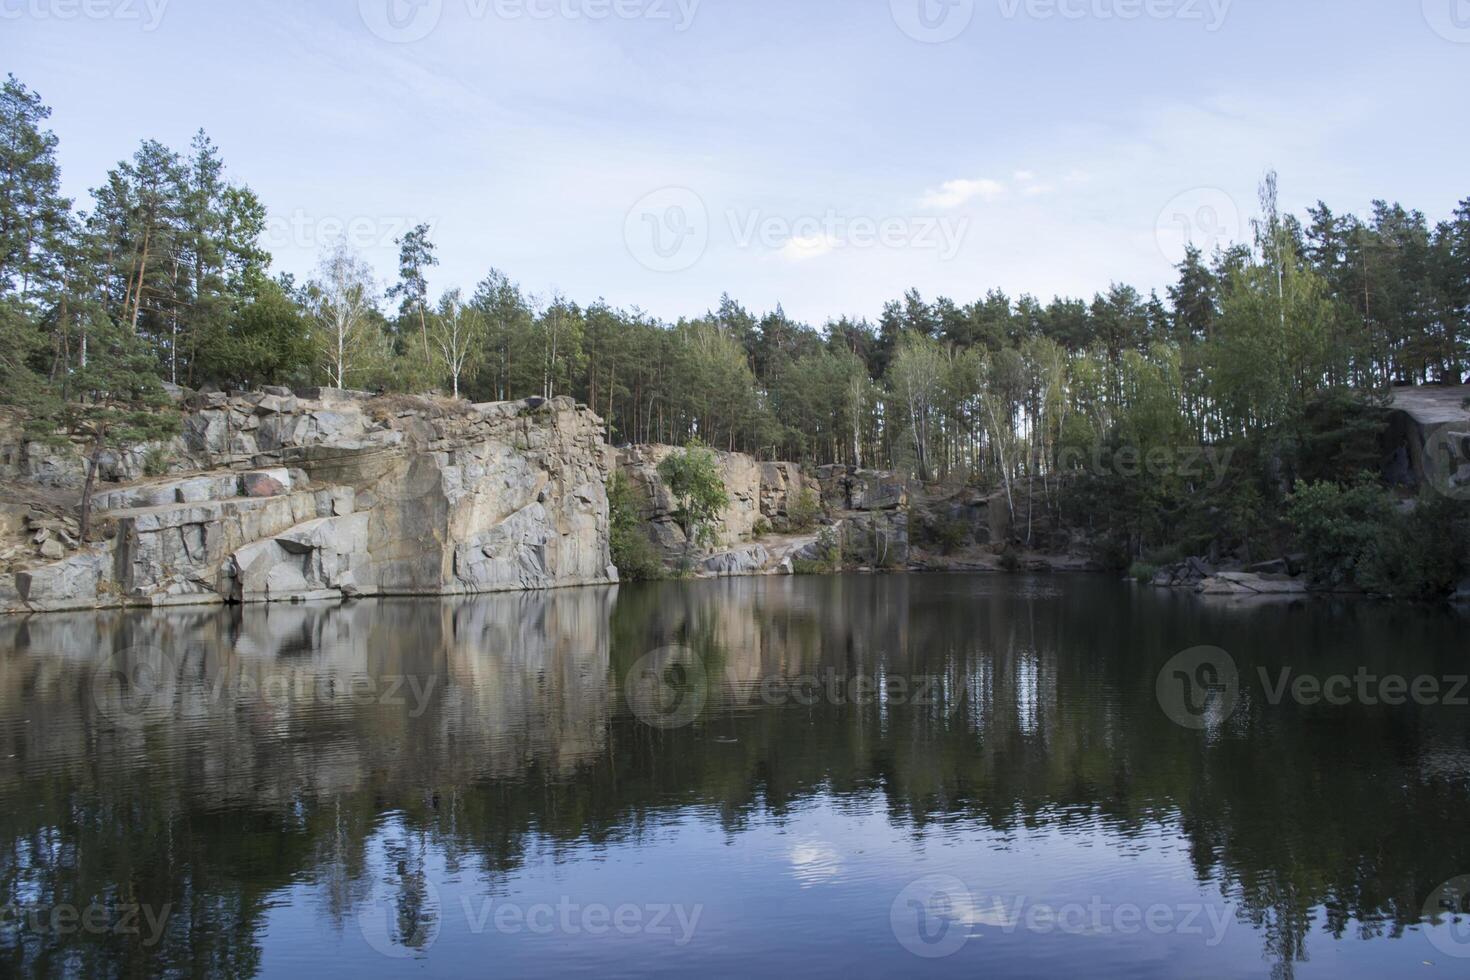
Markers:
point(823, 154)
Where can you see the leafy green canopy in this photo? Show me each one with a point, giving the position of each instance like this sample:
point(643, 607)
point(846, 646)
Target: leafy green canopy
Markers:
point(693, 478)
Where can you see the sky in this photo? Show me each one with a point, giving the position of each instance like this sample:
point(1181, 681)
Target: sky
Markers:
point(825, 155)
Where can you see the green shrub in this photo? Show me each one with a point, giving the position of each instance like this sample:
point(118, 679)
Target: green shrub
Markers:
point(762, 528)
point(1143, 572)
point(1355, 536)
point(632, 551)
point(829, 555)
point(950, 534)
point(1419, 555)
point(156, 461)
point(693, 478)
point(1338, 528)
point(1171, 554)
point(802, 513)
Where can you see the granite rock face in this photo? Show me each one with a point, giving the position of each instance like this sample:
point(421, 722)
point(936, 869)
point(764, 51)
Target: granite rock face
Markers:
point(782, 486)
point(849, 488)
point(878, 539)
point(327, 495)
point(1251, 584)
point(865, 511)
point(751, 559)
point(744, 484)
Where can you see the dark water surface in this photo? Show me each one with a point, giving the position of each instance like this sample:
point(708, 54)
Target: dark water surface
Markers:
point(853, 776)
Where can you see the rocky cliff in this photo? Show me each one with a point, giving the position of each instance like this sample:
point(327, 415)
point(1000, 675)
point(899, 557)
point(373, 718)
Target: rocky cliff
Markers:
point(274, 497)
point(864, 511)
point(762, 496)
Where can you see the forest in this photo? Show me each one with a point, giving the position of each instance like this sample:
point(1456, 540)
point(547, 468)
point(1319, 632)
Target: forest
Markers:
point(1274, 353)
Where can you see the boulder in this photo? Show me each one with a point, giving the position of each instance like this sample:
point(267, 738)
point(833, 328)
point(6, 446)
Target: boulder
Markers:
point(208, 399)
point(265, 483)
point(1247, 583)
point(73, 583)
point(1221, 586)
point(1186, 574)
point(276, 405)
point(12, 519)
point(322, 559)
point(749, 560)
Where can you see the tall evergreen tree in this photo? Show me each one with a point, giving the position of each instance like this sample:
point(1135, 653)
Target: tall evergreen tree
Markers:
point(415, 257)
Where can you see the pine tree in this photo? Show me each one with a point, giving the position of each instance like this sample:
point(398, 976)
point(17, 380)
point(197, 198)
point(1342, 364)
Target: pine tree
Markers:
point(33, 214)
point(115, 401)
point(415, 257)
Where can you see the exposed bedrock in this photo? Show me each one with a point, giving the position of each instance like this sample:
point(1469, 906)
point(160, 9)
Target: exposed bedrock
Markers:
point(334, 494)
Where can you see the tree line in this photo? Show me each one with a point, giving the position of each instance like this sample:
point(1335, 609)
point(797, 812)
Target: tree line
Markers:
point(164, 279)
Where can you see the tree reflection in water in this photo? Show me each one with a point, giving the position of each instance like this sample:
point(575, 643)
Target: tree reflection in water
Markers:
point(381, 745)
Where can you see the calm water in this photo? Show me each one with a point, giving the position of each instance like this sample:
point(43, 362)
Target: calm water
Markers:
point(948, 776)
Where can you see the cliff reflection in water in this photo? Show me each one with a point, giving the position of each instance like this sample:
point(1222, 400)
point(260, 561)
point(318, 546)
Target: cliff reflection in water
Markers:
point(212, 761)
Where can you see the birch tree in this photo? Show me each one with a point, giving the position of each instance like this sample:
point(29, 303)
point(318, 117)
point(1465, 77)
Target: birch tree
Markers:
point(342, 299)
point(916, 376)
point(458, 335)
point(1002, 381)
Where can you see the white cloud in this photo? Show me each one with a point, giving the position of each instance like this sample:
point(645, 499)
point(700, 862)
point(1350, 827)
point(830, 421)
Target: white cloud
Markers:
point(801, 248)
point(953, 193)
point(815, 863)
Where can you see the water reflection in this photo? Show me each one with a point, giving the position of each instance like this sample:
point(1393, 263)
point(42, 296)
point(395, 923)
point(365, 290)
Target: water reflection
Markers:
point(334, 787)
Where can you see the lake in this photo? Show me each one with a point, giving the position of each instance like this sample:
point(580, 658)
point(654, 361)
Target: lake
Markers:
point(849, 776)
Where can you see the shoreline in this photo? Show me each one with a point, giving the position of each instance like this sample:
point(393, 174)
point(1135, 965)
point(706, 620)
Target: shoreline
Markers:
point(1304, 594)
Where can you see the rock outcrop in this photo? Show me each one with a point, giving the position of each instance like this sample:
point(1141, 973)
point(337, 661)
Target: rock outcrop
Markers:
point(744, 483)
point(331, 494)
point(783, 487)
point(1429, 438)
point(1278, 577)
point(1252, 584)
point(865, 512)
point(872, 511)
point(848, 488)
